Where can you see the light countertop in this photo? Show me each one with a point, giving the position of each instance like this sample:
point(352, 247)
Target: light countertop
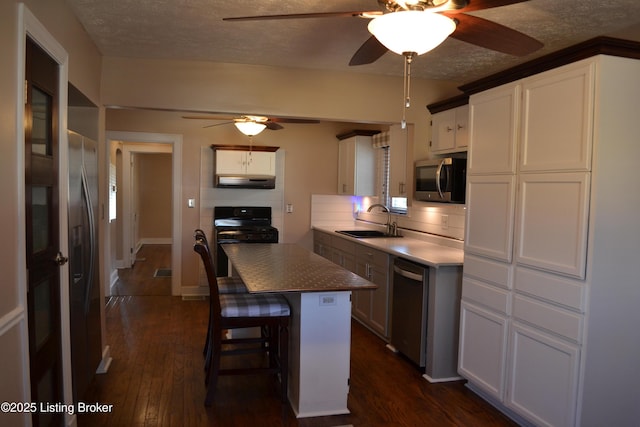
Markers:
point(411, 248)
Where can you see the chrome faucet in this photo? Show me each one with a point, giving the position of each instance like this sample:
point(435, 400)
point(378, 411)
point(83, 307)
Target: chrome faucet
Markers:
point(392, 228)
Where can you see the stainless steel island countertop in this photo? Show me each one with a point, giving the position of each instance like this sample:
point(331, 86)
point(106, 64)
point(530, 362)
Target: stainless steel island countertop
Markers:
point(287, 267)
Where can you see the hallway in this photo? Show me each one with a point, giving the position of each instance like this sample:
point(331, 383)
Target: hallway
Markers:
point(140, 279)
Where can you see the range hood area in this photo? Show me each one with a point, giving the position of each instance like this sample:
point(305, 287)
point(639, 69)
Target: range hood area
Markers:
point(238, 166)
point(266, 182)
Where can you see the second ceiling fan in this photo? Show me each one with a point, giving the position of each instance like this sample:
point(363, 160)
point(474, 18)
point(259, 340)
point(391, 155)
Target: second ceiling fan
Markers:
point(252, 125)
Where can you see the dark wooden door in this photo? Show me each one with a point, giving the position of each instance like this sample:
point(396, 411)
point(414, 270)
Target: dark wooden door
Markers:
point(42, 231)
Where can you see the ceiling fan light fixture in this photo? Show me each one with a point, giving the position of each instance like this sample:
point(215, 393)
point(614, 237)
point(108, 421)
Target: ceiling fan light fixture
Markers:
point(249, 127)
point(411, 31)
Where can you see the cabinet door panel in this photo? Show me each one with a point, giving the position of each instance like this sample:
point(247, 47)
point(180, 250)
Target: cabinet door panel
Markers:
point(493, 117)
point(490, 213)
point(552, 222)
point(462, 126)
point(482, 351)
point(230, 162)
point(557, 123)
point(261, 163)
point(444, 128)
point(543, 377)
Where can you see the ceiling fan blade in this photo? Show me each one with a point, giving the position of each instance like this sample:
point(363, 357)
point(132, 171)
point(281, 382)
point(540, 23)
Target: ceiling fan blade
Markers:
point(491, 35)
point(369, 52)
point(216, 124)
point(271, 125)
point(484, 4)
point(298, 121)
point(353, 14)
point(209, 117)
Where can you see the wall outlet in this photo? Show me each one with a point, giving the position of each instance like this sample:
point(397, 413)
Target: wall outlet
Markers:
point(444, 221)
point(289, 208)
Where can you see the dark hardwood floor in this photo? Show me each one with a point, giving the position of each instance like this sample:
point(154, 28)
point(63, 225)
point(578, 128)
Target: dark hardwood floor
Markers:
point(139, 279)
point(157, 379)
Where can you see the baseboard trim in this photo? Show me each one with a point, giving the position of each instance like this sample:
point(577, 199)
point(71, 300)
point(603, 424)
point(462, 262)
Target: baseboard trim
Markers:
point(105, 363)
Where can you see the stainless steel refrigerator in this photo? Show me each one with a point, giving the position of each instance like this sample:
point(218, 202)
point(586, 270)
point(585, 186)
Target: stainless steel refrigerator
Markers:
point(84, 286)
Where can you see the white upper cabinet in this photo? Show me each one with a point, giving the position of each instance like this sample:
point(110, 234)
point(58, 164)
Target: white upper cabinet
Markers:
point(399, 142)
point(356, 169)
point(450, 130)
point(494, 125)
point(557, 119)
point(236, 162)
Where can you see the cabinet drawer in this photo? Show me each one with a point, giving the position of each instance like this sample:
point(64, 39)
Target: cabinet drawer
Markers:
point(372, 256)
point(560, 290)
point(489, 296)
point(549, 317)
point(495, 272)
point(343, 244)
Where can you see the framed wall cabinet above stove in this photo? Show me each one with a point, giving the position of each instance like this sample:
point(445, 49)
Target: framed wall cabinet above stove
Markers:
point(244, 166)
point(235, 162)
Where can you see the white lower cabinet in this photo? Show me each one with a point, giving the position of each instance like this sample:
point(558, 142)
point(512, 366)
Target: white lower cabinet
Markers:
point(483, 348)
point(372, 307)
point(543, 376)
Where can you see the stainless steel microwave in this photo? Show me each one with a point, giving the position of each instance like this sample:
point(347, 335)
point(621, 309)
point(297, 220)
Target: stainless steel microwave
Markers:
point(441, 180)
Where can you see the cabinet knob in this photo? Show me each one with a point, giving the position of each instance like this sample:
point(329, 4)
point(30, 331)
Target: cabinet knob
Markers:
point(460, 127)
point(449, 128)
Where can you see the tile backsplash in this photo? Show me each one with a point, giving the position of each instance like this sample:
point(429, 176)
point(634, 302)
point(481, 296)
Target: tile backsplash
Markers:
point(439, 219)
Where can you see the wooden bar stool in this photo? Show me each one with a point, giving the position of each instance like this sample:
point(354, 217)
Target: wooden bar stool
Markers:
point(269, 312)
point(226, 285)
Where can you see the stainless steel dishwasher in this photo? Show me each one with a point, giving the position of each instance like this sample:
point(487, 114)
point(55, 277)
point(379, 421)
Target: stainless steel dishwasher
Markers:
point(409, 310)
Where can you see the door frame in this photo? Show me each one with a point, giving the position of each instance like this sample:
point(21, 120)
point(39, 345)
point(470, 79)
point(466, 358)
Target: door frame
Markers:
point(176, 234)
point(30, 26)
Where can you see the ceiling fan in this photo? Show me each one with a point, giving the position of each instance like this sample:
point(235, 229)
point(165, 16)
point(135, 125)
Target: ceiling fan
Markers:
point(252, 125)
point(460, 25)
point(413, 27)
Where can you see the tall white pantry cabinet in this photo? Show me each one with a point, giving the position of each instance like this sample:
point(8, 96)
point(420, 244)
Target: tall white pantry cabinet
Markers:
point(550, 318)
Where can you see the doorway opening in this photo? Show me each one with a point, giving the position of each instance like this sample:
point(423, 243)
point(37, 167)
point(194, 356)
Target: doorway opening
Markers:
point(144, 227)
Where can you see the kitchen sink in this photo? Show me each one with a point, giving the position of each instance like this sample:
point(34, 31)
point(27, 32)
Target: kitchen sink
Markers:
point(364, 234)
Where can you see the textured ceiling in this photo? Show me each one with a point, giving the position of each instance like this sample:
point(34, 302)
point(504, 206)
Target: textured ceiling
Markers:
point(194, 30)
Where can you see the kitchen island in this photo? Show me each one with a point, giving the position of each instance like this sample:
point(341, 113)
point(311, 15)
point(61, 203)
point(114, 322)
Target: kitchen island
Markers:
point(319, 293)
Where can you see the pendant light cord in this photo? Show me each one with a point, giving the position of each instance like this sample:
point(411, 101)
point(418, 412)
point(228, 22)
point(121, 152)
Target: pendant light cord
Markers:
point(407, 86)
